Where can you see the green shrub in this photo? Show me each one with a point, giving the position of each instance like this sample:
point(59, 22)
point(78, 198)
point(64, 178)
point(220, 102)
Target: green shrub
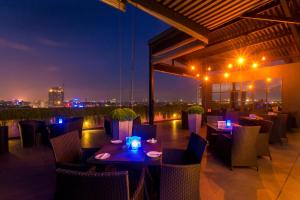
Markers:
point(123, 114)
point(195, 110)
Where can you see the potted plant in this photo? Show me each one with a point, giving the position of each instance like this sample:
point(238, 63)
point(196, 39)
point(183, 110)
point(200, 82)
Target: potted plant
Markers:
point(195, 118)
point(122, 122)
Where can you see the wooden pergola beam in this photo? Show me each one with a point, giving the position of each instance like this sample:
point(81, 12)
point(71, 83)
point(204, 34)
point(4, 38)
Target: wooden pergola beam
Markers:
point(178, 52)
point(172, 18)
point(174, 70)
point(288, 20)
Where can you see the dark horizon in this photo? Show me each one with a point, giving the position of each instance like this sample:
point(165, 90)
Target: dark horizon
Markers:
point(77, 44)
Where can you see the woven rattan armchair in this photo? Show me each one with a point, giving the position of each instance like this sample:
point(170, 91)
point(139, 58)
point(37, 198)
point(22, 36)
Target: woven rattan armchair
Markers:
point(94, 185)
point(180, 171)
point(262, 143)
point(68, 152)
point(239, 149)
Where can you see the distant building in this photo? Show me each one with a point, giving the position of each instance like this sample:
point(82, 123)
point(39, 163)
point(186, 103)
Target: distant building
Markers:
point(56, 97)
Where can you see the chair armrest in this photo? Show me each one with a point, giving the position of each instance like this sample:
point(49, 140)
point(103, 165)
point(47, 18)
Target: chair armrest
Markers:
point(173, 156)
point(180, 181)
point(73, 166)
point(86, 153)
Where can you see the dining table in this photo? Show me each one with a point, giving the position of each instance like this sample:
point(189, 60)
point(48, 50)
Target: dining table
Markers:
point(119, 154)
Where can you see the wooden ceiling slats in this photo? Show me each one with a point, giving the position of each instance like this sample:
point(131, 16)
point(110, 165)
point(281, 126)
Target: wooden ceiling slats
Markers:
point(175, 3)
point(200, 8)
point(182, 5)
point(221, 19)
point(190, 6)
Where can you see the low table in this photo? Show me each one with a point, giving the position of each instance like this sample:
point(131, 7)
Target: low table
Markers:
point(120, 155)
point(213, 131)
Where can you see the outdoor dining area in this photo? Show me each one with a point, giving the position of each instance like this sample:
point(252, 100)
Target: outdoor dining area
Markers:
point(178, 159)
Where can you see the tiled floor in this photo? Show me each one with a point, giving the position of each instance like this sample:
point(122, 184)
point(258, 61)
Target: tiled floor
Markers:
point(29, 173)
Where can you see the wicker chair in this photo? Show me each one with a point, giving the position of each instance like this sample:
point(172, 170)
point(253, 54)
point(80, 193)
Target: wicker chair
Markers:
point(145, 131)
point(240, 147)
point(213, 118)
point(28, 133)
point(262, 143)
point(68, 152)
point(180, 171)
point(94, 186)
point(184, 120)
point(108, 125)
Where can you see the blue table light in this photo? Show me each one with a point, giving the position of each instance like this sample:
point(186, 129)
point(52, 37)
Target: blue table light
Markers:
point(228, 123)
point(59, 120)
point(133, 143)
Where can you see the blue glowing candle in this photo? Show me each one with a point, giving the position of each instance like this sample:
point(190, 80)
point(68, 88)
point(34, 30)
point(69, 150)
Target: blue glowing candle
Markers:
point(133, 143)
point(228, 123)
point(60, 120)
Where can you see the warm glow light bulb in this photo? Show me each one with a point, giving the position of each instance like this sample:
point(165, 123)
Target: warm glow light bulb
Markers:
point(268, 79)
point(192, 67)
point(241, 60)
point(263, 58)
point(198, 75)
point(226, 75)
point(230, 66)
point(206, 78)
point(254, 65)
point(250, 86)
point(209, 69)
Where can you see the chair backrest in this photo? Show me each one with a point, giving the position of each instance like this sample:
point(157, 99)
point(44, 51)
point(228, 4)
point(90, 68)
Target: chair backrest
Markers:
point(137, 121)
point(195, 149)
point(92, 185)
point(145, 131)
point(108, 125)
point(243, 148)
point(265, 126)
point(233, 116)
point(27, 133)
point(282, 121)
point(214, 118)
point(67, 147)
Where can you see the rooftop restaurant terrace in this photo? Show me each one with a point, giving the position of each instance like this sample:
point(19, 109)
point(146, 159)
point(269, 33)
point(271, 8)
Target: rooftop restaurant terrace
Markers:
point(29, 173)
point(240, 141)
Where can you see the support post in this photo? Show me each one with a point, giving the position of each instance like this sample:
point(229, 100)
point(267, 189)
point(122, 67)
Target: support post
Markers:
point(151, 89)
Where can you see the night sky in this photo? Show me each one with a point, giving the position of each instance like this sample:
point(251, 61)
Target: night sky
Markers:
point(46, 43)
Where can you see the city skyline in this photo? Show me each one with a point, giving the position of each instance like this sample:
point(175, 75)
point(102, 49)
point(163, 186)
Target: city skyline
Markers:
point(75, 43)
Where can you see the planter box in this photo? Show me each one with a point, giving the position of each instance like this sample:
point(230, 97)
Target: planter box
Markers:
point(121, 129)
point(195, 123)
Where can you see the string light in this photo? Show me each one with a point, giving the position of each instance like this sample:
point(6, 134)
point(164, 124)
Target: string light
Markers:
point(250, 87)
point(192, 67)
point(268, 79)
point(209, 69)
point(229, 65)
point(254, 65)
point(263, 58)
point(241, 60)
point(206, 78)
point(198, 75)
point(226, 75)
